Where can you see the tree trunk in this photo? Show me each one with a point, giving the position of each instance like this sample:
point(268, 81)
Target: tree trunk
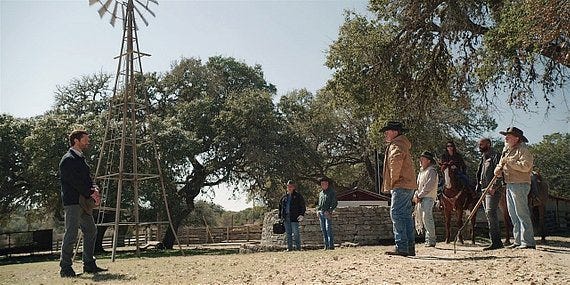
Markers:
point(168, 240)
point(194, 183)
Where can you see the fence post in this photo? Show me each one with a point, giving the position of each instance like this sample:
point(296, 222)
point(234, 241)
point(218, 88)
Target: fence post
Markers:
point(187, 236)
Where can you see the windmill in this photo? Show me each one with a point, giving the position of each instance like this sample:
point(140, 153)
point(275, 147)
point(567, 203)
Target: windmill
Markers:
point(120, 171)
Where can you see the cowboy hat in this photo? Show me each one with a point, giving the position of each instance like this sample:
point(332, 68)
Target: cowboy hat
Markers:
point(428, 155)
point(515, 132)
point(394, 126)
point(324, 178)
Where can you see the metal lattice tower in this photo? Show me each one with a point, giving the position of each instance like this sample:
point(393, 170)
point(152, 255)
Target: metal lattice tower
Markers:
point(121, 171)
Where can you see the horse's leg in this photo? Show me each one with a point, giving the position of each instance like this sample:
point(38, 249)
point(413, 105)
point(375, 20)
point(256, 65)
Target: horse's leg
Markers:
point(506, 219)
point(459, 223)
point(541, 226)
point(473, 222)
point(447, 214)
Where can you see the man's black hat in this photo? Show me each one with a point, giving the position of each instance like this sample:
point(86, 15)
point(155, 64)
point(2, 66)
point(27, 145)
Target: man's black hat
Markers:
point(394, 126)
point(429, 156)
point(515, 132)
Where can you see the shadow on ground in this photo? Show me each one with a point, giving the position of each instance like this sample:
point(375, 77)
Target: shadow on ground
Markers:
point(123, 254)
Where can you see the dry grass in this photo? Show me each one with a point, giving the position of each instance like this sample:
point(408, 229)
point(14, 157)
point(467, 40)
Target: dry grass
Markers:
point(356, 265)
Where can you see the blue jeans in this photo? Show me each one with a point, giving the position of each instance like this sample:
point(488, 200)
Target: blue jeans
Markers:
point(517, 203)
point(292, 233)
point(76, 218)
point(326, 228)
point(402, 221)
point(426, 212)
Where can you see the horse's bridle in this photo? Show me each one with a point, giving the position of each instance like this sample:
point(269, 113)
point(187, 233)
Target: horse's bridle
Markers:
point(452, 199)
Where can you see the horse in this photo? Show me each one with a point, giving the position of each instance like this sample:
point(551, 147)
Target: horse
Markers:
point(537, 203)
point(506, 218)
point(537, 199)
point(457, 198)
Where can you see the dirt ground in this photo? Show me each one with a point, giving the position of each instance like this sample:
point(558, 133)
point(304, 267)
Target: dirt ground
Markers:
point(548, 264)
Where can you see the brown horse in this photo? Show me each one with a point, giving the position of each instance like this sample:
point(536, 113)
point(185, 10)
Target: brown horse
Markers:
point(537, 199)
point(506, 218)
point(456, 198)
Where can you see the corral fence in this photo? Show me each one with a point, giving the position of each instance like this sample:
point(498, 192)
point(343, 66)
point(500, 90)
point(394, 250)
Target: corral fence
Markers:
point(26, 242)
point(202, 235)
point(41, 241)
point(193, 235)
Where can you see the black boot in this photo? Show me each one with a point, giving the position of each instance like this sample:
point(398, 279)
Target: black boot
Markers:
point(67, 272)
point(93, 268)
point(493, 247)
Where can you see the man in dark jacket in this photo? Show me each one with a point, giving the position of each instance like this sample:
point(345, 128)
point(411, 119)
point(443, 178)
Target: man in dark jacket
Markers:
point(76, 185)
point(489, 160)
point(292, 211)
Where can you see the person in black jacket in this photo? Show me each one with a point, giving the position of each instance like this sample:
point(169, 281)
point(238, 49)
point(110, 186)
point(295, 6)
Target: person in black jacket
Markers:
point(489, 160)
point(76, 185)
point(292, 211)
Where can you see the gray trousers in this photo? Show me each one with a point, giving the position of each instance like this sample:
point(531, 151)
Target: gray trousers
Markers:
point(76, 218)
point(491, 207)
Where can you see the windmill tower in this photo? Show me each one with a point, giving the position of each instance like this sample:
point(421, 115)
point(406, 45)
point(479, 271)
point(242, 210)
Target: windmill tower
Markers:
point(121, 172)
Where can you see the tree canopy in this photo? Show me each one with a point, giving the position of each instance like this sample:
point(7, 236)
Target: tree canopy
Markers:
point(14, 182)
point(551, 157)
point(444, 62)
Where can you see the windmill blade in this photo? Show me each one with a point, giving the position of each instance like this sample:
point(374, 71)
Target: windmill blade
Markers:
point(106, 5)
point(104, 8)
point(114, 15)
point(142, 17)
point(146, 8)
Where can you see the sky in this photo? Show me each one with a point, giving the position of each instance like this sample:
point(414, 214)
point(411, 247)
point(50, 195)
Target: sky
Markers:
point(45, 44)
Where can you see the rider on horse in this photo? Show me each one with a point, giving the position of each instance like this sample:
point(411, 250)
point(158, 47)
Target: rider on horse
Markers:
point(454, 160)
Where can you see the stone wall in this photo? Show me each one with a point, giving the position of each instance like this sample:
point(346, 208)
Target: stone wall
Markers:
point(364, 225)
point(371, 225)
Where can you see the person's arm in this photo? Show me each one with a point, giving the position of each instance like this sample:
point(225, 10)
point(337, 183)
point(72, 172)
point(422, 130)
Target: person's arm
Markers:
point(522, 163)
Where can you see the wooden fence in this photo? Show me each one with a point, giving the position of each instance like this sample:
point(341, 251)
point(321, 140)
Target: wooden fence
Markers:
point(26, 242)
point(203, 235)
point(186, 235)
point(192, 235)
